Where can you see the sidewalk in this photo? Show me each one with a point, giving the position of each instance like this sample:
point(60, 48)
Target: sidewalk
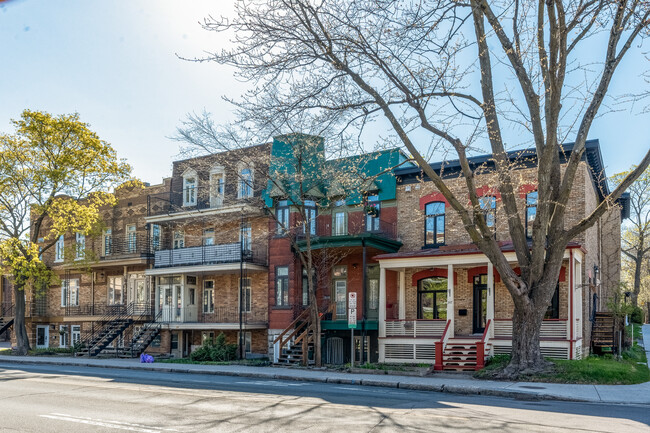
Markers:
point(619, 394)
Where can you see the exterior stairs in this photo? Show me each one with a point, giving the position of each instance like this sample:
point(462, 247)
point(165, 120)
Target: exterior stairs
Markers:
point(603, 334)
point(141, 340)
point(460, 354)
point(5, 323)
point(292, 353)
point(104, 337)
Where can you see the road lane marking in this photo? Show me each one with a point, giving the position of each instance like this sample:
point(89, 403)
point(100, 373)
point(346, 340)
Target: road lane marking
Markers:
point(119, 425)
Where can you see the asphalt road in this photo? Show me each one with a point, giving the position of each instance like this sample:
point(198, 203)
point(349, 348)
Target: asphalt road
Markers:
point(83, 399)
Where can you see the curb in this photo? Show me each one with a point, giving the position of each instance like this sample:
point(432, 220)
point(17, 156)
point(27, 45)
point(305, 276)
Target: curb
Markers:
point(451, 389)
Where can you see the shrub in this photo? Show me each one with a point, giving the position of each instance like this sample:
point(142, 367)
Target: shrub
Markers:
point(636, 314)
point(217, 351)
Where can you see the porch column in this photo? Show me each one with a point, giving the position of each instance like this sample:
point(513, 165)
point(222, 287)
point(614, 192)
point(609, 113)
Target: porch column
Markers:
point(450, 299)
point(382, 312)
point(183, 308)
point(402, 294)
point(156, 294)
point(490, 298)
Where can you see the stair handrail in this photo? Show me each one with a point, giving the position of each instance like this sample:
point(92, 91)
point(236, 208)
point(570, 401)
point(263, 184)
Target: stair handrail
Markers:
point(301, 317)
point(480, 346)
point(440, 346)
point(154, 323)
point(121, 311)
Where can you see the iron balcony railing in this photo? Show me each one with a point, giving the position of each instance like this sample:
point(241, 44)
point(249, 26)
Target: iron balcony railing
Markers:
point(210, 254)
point(220, 314)
point(133, 245)
point(200, 198)
point(98, 309)
point(376, 227)
point(7, 309)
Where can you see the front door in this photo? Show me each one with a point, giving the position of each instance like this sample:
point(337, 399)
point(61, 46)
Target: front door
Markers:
point(480, 303)
point(42, 336)
point(372, 293)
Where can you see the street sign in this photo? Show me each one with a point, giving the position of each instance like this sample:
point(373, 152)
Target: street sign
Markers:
point(352, 318)
point(352, 300)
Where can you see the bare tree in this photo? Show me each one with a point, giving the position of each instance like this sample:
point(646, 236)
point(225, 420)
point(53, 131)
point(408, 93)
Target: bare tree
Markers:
point(449, 76)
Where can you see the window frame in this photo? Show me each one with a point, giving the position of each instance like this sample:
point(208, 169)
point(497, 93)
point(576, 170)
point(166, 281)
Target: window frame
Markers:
point(335, 222)
point(178, 242)
point(247, 290)
point(492, 209)
point(435, 217)
point(217, 186)
point(311, 213)
point(156, 236)
point(67, 298)
point(282, 218)
point(80, 246)
point(246, 182)
point(208, 297)
point(435, 293)
point(246, 236)
point(373, 224)
point(107, 241)
point(208, 239)
point(529, 207)
point(190, 189)
point(59, 249)
point(282, 287)
point(131, 238)
point(110, 289)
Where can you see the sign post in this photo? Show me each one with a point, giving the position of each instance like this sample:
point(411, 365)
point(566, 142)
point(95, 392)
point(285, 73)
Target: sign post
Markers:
point(352, 322)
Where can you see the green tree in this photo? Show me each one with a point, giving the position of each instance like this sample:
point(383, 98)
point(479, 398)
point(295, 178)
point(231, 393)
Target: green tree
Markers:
point(47, 165)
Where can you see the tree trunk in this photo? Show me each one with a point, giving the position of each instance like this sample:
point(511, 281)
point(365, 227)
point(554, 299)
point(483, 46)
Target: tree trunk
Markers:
point(22, 340)
point(316, 329)
point(638, 263)
point(526, 355)
point(647, 317)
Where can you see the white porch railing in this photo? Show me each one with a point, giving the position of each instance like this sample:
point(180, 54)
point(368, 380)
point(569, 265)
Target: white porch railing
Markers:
point(172, 314)
point(415, 328)
point(551, 329)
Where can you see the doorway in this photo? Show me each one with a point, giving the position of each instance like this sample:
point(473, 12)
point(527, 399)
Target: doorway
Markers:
point(42, 336)
point(480, 303)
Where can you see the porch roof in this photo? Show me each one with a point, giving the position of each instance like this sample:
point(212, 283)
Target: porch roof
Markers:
point(455, 250)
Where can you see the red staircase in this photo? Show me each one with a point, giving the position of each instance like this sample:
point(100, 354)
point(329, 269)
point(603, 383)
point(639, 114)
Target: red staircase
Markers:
point(467, 353)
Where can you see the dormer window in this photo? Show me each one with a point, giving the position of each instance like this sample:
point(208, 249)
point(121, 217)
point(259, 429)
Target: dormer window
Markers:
point(245, 184)
point(434, 224)
point(217, 186)
point(190, 185)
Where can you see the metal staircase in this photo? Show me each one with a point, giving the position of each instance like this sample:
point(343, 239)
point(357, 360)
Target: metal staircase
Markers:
point(6, 318)
point(603, 333)
point(111, 326)
point(143, 338)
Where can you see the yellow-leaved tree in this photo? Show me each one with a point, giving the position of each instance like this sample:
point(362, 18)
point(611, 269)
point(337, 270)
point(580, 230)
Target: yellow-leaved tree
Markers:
point(47, 165)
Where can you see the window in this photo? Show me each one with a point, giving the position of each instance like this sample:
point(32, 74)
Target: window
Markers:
point(531, 211)
point(174, 341)
point(340, 274)
point(372, 213)
point(339, 223)
point(70, 292)
point(553, 310)
point(310, 214)
point(179, 239)
point(155, 237)
point(434, 224)
point(59, 250)
point(246, 293)
point(217, 186)
point(63, 333)
point(108, 242)
point(245, 236)
point(115, 292)
point(131, 239)
point(208, 297)
point(192, 296)
point(305, 286)
point(207, 337)
point(432, 298)
point(282, 286)
point(189, 188)
point(282, 217)
point(245, 185)
point(208, 236)
point(80, 246)
point(488, 206)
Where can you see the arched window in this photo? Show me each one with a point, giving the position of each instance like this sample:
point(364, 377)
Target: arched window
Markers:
point(190, 186)
point(217, 186)
point(489, 208)
point(432, 298)
point(245, 184)
point(531, 212)
point(434, 224)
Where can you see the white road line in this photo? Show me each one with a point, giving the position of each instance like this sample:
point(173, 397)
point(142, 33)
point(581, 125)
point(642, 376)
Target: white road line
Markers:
point(119, 425)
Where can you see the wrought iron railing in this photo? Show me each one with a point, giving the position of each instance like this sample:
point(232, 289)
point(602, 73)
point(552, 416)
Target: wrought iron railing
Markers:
point(201, 198)
point(210, 254)
point(378, 227)
point(136, 244)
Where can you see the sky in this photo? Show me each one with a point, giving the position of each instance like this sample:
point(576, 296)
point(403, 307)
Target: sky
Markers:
point(117, 64)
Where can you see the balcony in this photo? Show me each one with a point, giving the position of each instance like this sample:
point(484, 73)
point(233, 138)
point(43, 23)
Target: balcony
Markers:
point(103, 309)
point(201, 200)
point(209, 255)
point(381, 235)
point(220, 315)
point(124, 246)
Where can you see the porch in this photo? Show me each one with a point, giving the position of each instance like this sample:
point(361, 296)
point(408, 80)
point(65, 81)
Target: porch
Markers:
point(442, 306)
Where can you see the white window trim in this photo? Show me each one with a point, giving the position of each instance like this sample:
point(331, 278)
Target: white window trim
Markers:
point(80, 246)
point(59, 250)
point(131, 248)
point(108, 233)
point(65, 288)
point(210, 310)
point(217, 173)
point(240, 180)
point(174, 239)
point(63, 339)
point(246, 287)
point(190, 174)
